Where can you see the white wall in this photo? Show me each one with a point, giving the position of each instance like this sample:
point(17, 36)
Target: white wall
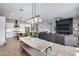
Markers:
point(2, 30)
point(9, 30)
point(44, 27)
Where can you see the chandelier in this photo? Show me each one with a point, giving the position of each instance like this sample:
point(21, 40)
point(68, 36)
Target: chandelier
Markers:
point(35, 18)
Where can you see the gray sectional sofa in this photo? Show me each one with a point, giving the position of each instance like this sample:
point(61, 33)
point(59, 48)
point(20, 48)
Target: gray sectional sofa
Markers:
point(56, 38)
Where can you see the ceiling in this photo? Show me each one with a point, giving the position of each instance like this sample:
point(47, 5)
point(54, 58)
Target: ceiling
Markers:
point(47, 11)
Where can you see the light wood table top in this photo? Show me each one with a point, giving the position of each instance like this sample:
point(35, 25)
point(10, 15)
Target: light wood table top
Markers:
point(36, 43)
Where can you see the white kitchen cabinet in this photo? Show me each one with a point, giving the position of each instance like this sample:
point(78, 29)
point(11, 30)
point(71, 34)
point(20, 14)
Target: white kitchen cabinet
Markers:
point(2, 30)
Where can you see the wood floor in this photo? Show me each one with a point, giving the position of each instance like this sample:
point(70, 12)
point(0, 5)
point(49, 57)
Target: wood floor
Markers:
point(11, 48)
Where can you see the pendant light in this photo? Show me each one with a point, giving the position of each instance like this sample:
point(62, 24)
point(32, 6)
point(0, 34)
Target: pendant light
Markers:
point(35, 18)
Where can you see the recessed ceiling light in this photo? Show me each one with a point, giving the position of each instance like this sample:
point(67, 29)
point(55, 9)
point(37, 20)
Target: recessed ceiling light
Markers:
point(12, 14)
point(21, 10)
point(27, 17)
point(28, 21)
point(40, 20)
point(20, 17)
point(10, 17)
point(36, 20)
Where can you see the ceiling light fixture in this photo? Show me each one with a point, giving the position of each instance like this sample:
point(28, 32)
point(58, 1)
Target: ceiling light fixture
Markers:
point(35, 18)
point(57, 18)
point(12, 14)
point(28, 21)
point(21, 10)
point(40, 20)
